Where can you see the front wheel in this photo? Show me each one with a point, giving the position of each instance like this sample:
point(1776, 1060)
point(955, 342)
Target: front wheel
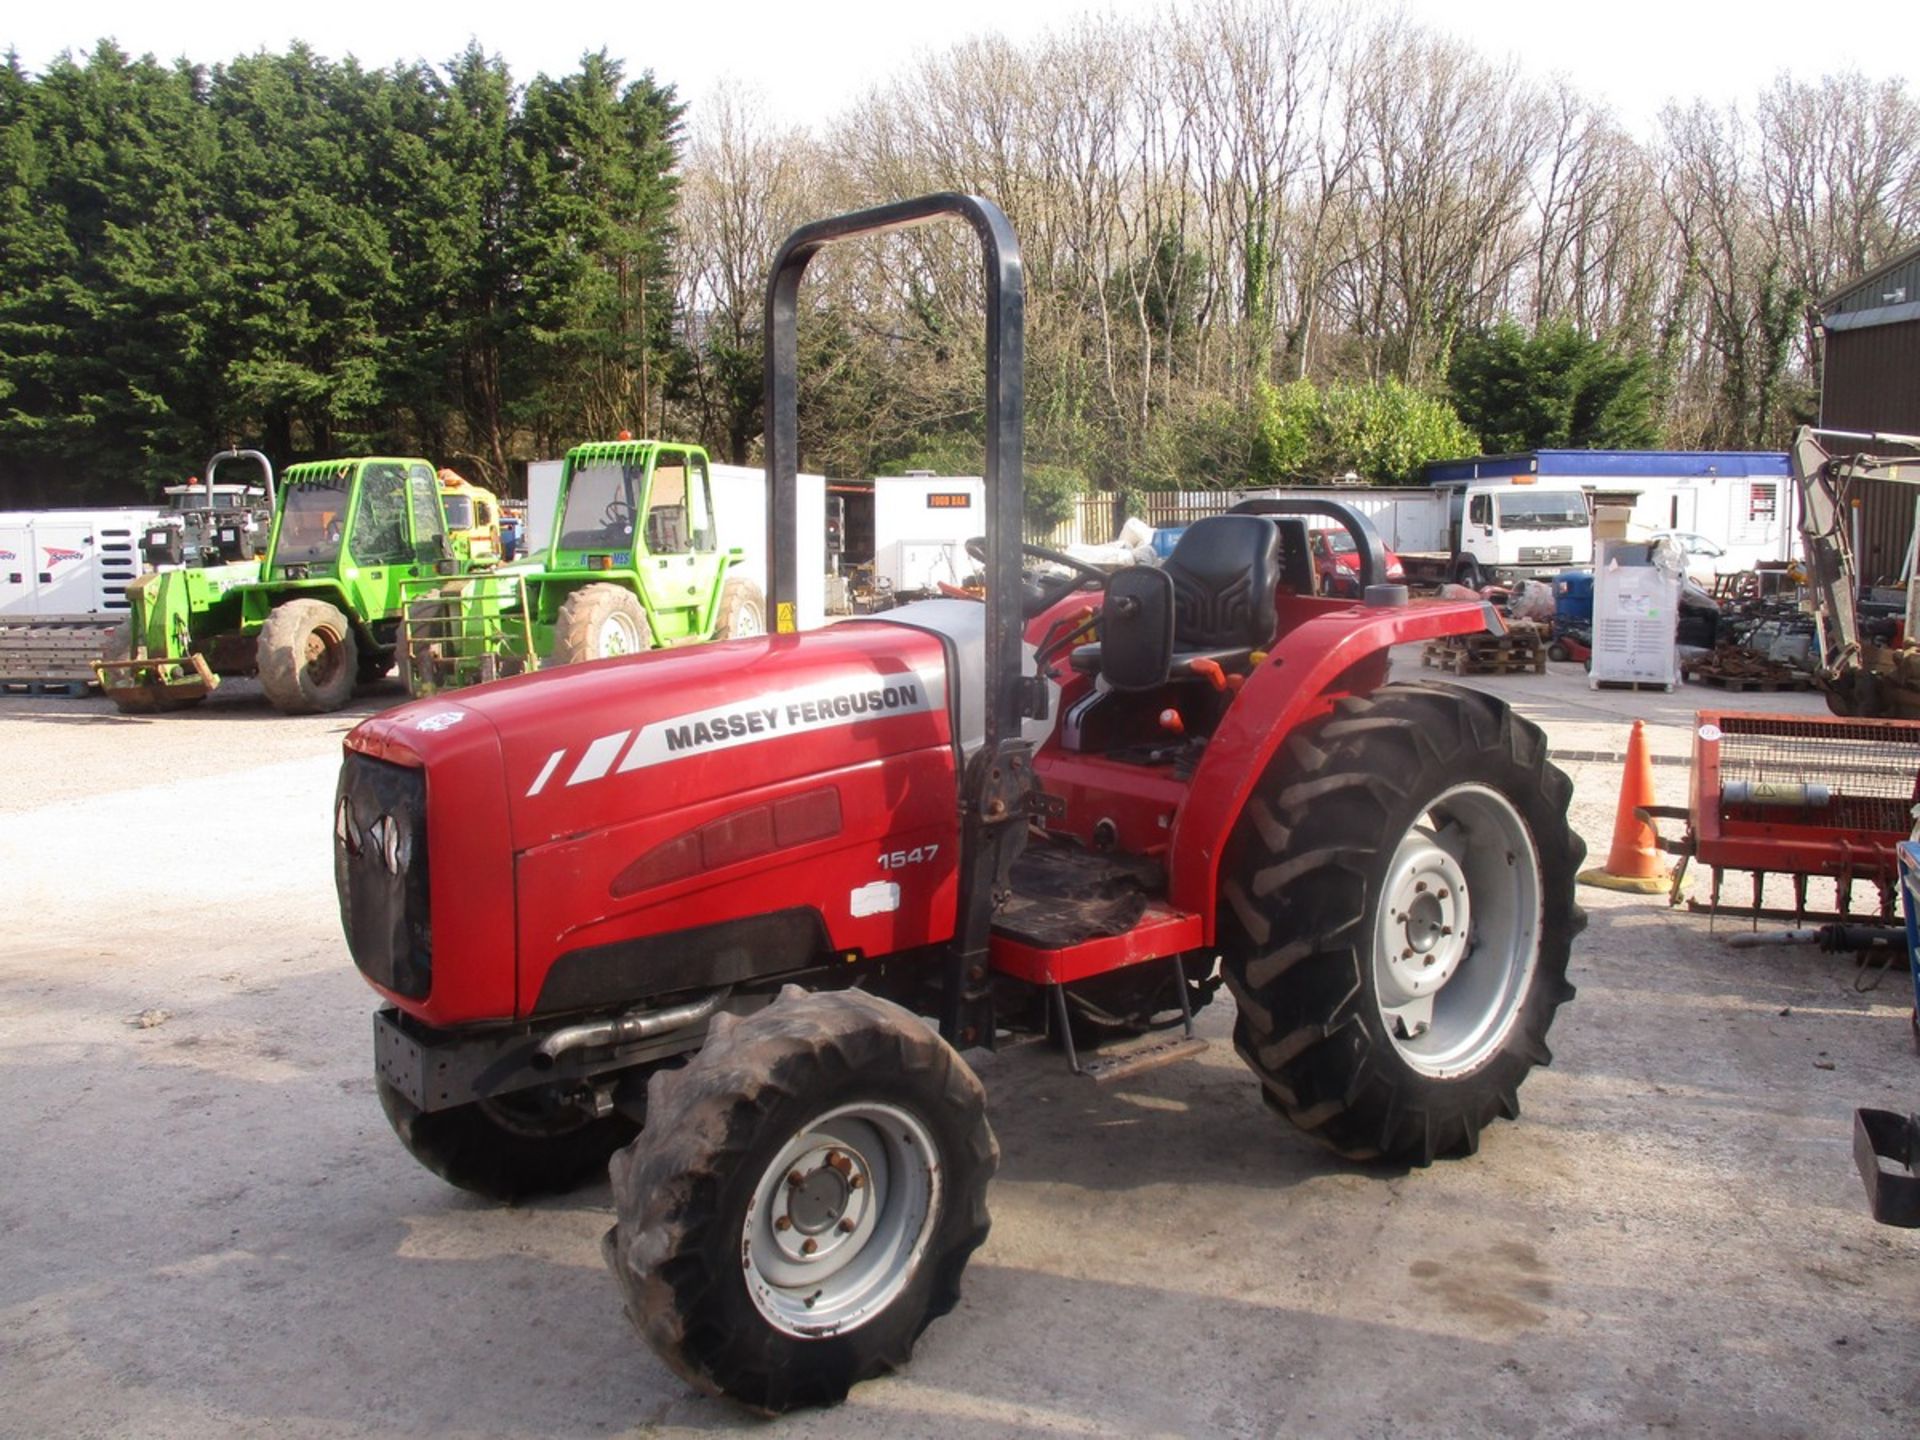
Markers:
point(803, 1200)
point(599, 622)
point(743, 611)
point(1397, 921)
point(307, 657)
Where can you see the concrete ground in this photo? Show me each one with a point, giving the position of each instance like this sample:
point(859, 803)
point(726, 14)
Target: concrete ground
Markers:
point(208, 1228)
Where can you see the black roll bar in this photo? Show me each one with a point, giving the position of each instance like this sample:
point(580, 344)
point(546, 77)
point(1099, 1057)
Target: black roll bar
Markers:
point(1006, 419)
point(1366, 539)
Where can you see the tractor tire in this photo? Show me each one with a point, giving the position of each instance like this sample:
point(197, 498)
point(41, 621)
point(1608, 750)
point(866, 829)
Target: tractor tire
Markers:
point(598, 622)
point(743, 610)
point(1397, 912)
point(783, 1293)
point(508, 1149)
point(307, 658)
point(129, 698)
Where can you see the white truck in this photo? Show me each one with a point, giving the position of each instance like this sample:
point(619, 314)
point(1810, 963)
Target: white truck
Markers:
point(1502, 532)
point(1473, 531)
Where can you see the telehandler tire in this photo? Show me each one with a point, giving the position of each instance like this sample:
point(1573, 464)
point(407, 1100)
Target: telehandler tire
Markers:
point(743, 610)
point(130, 698)
point(803, 1200)
point(307, 657)
point(1396, 920)
point(508, 1149)
point(597, 622)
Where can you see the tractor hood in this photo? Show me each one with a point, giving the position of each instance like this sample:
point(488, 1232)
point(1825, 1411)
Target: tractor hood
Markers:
point(598, 832)
point(621, 740)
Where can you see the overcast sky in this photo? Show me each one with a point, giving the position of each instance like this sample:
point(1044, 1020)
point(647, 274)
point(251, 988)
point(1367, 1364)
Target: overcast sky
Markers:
point(808, 61)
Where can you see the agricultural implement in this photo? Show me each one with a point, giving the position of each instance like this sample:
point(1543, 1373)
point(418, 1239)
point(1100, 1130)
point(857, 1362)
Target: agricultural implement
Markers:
point(634, 565)
point(316, 614)
point(1806, 797)
point(683, 910)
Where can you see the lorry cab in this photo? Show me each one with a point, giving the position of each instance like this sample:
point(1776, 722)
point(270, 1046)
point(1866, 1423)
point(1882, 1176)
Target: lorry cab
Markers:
point(1519, 529)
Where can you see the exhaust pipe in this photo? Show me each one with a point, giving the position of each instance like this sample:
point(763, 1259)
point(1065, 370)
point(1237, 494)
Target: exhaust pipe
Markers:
point(624, 1030)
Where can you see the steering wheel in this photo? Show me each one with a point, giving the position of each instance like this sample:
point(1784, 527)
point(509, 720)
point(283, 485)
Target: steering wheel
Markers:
point(617, 516)
point(1038, 596)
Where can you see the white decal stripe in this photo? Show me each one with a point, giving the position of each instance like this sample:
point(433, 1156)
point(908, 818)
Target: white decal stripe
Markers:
point(599, 758)
point(779, 714)
point(546, 773)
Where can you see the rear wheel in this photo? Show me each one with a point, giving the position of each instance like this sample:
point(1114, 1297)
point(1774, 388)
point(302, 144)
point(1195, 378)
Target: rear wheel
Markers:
point(804, 1199)
point(509, 1148)
point(598, 622)
point(1397, 921)
point(1468, 574)
point(307, 657)
point(743, 611)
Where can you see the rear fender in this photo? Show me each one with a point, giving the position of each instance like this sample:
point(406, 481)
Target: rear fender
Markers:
point(1305, 672)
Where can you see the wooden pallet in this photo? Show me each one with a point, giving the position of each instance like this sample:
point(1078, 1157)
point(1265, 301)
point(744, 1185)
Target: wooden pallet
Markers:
point(72, 689)
point(52, 652)
point(1521, 651)
point(1739, 683)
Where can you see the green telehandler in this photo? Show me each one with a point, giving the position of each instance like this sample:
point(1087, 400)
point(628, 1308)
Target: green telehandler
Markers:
point(321, 615)
point(634, 564)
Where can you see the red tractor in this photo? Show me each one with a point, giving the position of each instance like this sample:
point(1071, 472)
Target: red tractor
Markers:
point(684, 910)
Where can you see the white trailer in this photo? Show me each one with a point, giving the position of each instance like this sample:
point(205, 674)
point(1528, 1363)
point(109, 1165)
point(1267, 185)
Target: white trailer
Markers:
point(740, 513)
point(69, 562)
point(1740, 501)
point(921, 524)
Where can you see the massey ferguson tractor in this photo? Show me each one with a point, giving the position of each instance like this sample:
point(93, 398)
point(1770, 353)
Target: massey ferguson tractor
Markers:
point(728, 916)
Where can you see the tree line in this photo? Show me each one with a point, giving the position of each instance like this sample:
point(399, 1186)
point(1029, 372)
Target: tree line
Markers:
point(317, 259)
point(1263, 238)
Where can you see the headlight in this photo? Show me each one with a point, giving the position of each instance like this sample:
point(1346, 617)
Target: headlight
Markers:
point(344, 830)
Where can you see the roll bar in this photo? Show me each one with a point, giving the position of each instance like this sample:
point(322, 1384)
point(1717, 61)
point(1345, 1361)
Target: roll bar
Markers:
point(1366, 539)
point(1006, 419)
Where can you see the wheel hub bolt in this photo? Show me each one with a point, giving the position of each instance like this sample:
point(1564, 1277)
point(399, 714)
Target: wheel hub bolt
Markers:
point(855, 1182)
point(783, 1222)
point(796, 1179)
point(846, 1225)
point(807, 1247)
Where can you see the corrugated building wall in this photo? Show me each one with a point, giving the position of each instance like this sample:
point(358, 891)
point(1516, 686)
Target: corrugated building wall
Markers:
point(1870, 380)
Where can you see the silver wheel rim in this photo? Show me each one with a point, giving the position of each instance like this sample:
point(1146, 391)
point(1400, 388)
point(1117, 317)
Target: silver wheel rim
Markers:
point(618, 635)
point(1457, 936)
point(746, 621)
point(840, 1221)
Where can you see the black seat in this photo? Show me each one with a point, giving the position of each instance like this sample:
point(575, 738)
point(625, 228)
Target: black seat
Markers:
point(1225, 571)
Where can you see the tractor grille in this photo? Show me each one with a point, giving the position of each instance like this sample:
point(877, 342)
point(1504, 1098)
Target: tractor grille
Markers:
point(1871, 769)
point(380, 871)
point(1546, 554)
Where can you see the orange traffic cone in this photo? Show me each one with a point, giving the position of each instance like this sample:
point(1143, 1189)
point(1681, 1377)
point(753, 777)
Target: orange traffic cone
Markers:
point(1633, 861)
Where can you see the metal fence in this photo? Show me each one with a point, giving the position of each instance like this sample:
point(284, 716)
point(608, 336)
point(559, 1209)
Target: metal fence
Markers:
point(1097, 518)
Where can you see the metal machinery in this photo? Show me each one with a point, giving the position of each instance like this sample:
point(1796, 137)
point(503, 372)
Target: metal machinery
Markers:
point(317, 613)
point(1859, 677)
point(1807, 797)
point(683, 909)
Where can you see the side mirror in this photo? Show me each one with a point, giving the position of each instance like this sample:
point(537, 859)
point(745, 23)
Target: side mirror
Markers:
point(1136, 628)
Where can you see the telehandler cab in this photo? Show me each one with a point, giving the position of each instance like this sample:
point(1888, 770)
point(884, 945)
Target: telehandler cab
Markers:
point(684, 909)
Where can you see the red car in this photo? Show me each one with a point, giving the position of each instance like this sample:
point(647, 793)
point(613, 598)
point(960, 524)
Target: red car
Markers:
point(1338, 562)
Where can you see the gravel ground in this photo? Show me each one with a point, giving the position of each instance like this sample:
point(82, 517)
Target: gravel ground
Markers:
point(208, 1228)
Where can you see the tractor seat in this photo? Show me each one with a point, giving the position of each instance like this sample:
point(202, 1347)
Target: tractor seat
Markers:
point(1225, 570)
